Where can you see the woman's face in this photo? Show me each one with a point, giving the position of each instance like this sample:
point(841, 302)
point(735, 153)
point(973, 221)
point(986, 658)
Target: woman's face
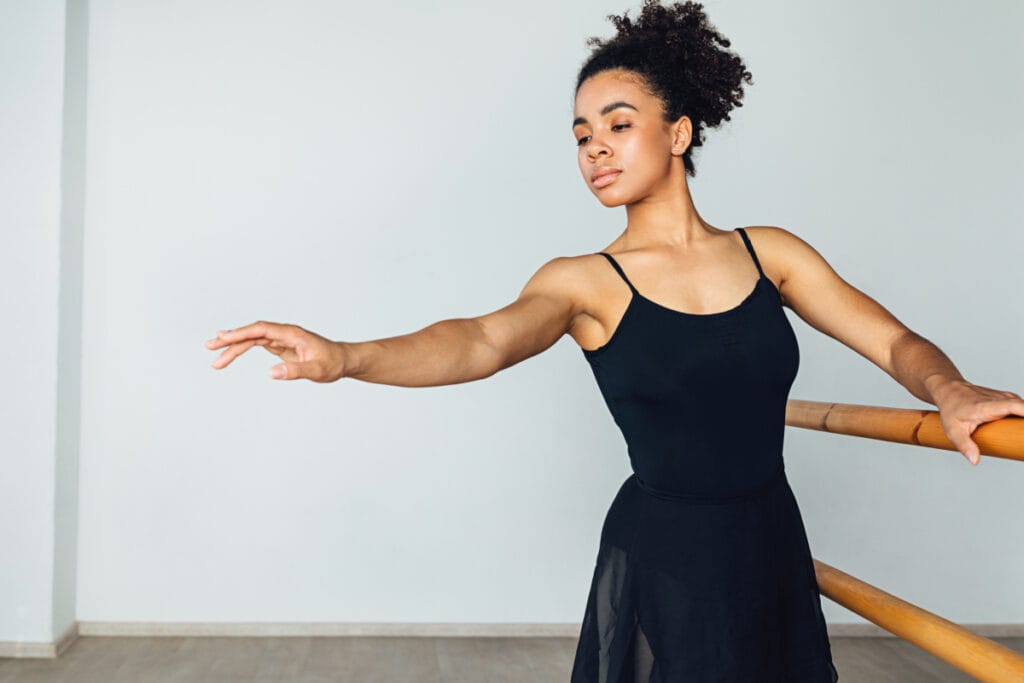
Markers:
point(618, 125)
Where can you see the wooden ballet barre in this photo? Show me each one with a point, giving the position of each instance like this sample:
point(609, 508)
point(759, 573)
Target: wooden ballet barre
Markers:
point(1003, 438)
point(975, 655)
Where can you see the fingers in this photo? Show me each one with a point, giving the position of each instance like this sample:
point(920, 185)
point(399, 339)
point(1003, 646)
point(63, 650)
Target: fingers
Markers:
point(1014, 406)
point(233, 352)
point(216, 342)
point(297, 370)
point(286, 371)
point(997, 409)
point(965, 444)
point(257, 330)
point(973, 453)
point(240, 340)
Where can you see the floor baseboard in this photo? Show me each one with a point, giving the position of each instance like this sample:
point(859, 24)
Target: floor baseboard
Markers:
point(37, 650)
point(43, 650)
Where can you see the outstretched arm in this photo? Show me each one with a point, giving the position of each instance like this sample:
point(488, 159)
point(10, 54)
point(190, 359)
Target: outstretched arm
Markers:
point(447, 352)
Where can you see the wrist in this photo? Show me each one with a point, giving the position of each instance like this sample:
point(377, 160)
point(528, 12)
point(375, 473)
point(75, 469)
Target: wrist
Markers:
point(347, 362)
point(938, 384)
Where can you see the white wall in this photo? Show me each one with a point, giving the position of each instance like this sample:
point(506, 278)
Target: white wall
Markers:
point(40, 273)
point(365, 172)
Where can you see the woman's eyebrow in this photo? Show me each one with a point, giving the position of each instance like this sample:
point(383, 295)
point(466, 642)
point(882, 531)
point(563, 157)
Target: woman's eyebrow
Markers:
point(607, 108)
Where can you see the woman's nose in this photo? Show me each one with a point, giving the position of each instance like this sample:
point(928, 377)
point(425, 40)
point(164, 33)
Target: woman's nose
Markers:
point(596, 148)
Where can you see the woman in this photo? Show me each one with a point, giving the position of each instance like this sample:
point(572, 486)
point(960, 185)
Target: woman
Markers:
point(703, 570)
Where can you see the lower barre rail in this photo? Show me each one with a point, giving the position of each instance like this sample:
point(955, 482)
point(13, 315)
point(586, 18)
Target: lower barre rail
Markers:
point(975, 655)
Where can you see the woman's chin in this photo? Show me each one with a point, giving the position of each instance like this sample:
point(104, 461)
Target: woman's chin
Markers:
point(611, 199)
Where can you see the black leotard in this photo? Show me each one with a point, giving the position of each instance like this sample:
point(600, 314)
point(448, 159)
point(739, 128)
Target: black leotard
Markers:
point(704, 572)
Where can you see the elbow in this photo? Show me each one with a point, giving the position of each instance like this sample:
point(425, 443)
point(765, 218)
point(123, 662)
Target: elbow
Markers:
point(487, 357)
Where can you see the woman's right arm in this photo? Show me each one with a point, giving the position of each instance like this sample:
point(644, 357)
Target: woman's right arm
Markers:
point(446, 352)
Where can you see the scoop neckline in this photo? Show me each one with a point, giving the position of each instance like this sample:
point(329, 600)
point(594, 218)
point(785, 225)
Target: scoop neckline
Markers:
point(636, 296)
point(746, 299)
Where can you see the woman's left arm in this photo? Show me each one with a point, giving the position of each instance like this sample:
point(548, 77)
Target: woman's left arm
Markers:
point(815, 292)
point(930, 375)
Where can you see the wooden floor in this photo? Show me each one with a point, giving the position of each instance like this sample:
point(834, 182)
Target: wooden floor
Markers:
point(93, 659)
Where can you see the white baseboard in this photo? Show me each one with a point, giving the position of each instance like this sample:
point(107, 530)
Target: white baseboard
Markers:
point(44, 650)
point(314, 629)
point(38, 650)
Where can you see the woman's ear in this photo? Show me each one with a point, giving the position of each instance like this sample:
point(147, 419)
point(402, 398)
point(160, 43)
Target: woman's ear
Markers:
point(681, 134)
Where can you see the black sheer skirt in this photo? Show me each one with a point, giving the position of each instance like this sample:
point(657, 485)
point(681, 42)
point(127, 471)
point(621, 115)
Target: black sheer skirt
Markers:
point(686, 591)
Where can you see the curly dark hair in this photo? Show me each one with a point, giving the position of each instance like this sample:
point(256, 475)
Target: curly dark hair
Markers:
point(676, 52)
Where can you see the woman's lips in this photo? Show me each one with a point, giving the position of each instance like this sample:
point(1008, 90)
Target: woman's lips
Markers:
point(606, 179)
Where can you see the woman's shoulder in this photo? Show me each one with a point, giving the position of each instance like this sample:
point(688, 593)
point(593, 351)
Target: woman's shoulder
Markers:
point(787, 256)
point(575, 268)
point(584, 281)
point(773, 237)
point(776, 245)
point(568, 276)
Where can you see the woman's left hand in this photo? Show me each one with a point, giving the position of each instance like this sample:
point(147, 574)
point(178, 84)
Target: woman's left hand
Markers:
point(963, 406)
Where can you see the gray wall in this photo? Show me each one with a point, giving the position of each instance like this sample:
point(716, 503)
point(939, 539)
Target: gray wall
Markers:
point(365, 172)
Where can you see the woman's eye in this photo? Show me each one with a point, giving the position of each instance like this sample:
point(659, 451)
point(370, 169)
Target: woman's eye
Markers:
point(585, 137)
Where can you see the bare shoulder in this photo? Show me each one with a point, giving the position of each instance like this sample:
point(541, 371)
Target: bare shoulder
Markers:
point(782, 253)
point(567, 277)
point(597, 293)
point(551, 303)
point(775, 239)
point(563, 269)
point(780, 242)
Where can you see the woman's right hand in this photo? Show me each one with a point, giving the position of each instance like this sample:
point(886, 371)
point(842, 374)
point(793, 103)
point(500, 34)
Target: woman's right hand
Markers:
point(307, 355)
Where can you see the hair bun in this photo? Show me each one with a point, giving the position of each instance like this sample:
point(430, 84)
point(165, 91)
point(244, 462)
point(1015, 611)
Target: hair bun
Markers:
point(680, 55)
